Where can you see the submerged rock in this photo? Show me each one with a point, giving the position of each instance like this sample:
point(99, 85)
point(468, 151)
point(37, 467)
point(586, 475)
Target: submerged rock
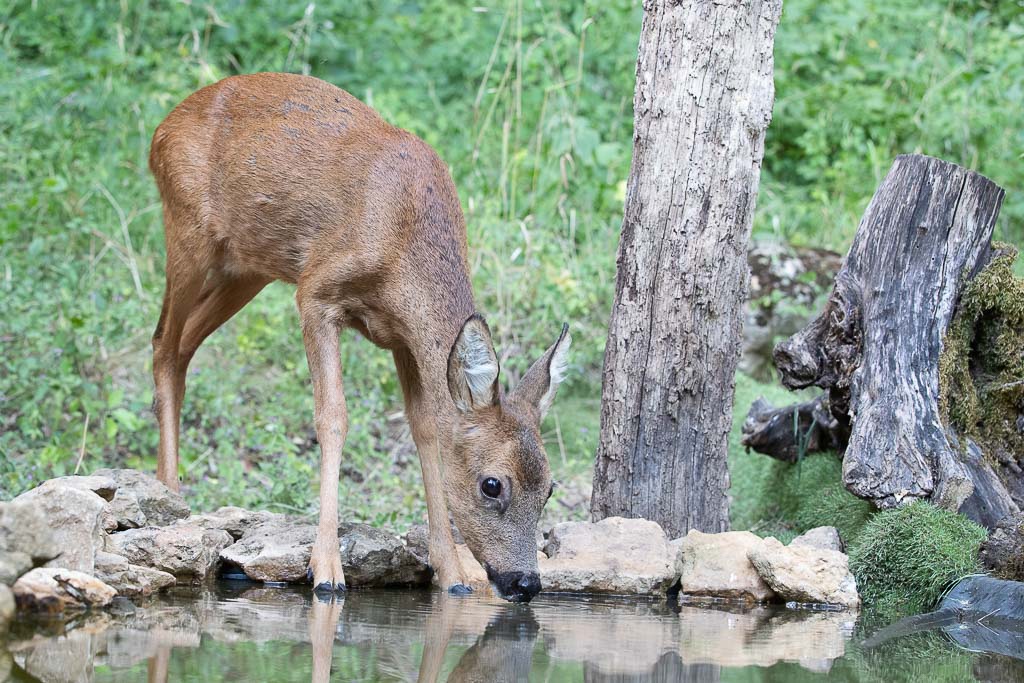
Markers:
point(130, 579)
point(806, 573)
point(72, 508)
point(187, 551)
point(615, 555)
point(717, 566)
point(54, 589)
point(141, 500)
point(826, 537)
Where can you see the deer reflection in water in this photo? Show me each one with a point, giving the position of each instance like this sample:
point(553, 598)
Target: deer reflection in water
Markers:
point(254, 633)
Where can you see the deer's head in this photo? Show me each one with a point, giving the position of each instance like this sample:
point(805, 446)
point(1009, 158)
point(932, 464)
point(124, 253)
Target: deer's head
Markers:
point(498, 479)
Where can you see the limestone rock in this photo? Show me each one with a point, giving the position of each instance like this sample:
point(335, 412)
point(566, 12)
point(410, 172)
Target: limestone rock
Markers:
point(417, 540)
point(1003, 552)
point(234, 520)
point(806, 574)
point(6, 607)
point(615, 555)
point(103, 486)
point(130, 579)
point(142, 500)
point(73, 511)
point(273, 553)
point(716, 566)
point(370, 557)
point(186, 551)
point(54, 589)
point(23, 530)
point(826, 537)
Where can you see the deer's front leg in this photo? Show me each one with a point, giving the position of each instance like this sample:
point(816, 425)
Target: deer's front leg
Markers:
point(422, 412)
point(320, 336)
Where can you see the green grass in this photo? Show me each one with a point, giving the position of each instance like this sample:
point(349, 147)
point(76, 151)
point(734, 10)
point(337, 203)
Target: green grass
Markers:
point(529, 104)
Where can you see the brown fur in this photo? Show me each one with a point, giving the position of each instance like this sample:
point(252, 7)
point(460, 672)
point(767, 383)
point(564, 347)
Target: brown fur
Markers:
point(284, 177)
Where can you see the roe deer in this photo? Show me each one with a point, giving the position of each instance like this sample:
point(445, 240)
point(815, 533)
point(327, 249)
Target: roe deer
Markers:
point(285, 177)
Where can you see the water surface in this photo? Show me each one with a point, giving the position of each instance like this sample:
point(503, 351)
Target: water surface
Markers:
point(241, 632)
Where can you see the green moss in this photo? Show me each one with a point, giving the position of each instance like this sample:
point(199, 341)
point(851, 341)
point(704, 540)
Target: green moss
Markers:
point(981, 372)
point(904, 557)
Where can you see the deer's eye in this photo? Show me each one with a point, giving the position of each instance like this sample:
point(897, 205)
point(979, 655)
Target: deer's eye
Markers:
point(490, 487)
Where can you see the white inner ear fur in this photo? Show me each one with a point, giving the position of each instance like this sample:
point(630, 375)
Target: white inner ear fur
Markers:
point(479, 368)
point(558, 369)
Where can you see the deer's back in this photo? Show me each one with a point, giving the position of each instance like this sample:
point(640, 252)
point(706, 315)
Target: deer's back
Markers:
point(282, 171)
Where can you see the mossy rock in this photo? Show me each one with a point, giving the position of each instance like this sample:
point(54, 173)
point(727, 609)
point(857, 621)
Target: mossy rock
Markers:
point(905, 557)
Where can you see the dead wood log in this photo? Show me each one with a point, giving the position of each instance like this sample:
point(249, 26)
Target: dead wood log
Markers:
point(790, 432)
point(875, 348)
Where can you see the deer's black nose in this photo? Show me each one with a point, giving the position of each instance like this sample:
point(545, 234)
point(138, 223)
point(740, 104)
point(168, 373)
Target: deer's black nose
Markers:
point(528, 586)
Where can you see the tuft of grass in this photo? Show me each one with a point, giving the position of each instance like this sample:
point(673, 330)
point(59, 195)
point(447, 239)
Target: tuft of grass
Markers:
point(906, 556)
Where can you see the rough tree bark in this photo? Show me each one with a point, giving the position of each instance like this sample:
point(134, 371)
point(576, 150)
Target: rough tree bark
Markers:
point(875, 348)
point(703, 101)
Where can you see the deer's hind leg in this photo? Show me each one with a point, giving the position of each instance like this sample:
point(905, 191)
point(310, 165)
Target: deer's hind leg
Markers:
point(187, 265)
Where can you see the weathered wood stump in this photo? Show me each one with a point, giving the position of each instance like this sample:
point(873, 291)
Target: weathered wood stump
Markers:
point(703, 101)
point(875, 348)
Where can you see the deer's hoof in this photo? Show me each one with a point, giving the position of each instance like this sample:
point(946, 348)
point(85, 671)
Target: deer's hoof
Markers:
point(460, 589)
point(327, 588)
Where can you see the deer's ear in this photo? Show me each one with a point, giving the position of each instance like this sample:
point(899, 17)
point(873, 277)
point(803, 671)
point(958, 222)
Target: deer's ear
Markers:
point(473, 367)
point(541, 381)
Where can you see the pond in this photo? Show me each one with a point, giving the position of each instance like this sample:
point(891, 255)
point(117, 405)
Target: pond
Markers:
point(242, 632)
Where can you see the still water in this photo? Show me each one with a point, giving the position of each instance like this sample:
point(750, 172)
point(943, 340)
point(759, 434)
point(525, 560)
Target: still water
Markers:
point(238, 632)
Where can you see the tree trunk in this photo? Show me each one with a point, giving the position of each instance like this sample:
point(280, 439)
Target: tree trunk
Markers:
point(875, 348)
point(703, 100)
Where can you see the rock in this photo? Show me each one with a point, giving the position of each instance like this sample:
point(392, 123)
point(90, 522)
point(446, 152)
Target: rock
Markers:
point(234, 520)
point(370, 557)
point(615, 555)
point(274, 552)
point(103, 486)
point(806, 574)
point(1003, 552)
point(417, 540)
point(716, 566)
point(6, 607)
point(826, 537)
point(54, 589)
point(13, 565)
point(142, 500)
point(186, 551)
point(73, 511)
point(23, 530)
point(130, 579)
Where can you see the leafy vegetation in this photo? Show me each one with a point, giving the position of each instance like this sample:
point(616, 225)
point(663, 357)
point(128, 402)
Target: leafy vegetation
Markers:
point(529, 103)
